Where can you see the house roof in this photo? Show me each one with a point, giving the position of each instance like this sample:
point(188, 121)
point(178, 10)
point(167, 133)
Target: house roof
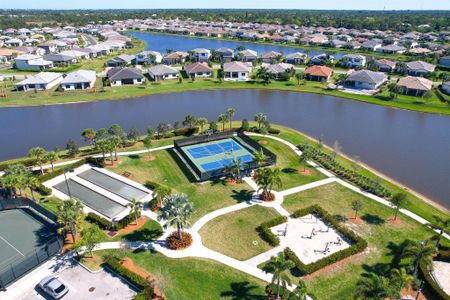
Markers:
point(201, 50)
point(271, 54)
point(393, 48)
point(367, 76)
point(197, 67)
point(416, 83)
point(176, 55)
point(237, 66)
point(79, 76)
point(296, 55)
point(248, 52)
point(124, 73)
point(320, 71)
point(353, 56)
point(58, 57)
point(41, 78)
point(279, 68)
point(387, 62)
point(419, 65)
point(159, 70)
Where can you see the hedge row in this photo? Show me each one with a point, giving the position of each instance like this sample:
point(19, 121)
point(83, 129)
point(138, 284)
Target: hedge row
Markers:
point(186, 131)
point(435, 289)
point(266, 234)
point(146, 289)
point(441, 96)
point(27, 162)
point(328, 162)
point(57, 172)
point(358, 243)
point(106, 224)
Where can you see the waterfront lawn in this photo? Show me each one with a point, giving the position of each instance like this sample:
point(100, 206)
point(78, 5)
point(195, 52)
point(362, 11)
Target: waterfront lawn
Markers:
point(234, 234)
point(290, 165)
point(167, 169)
point(377, 229)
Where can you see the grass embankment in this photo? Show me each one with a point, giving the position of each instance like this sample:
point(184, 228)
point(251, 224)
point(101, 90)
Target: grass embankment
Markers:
point(382, 235)
point(235, 234)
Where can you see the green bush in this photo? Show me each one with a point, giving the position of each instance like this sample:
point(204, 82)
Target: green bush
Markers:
point(155, 203)
point(266, 234)
point(57, 172)
point(43, 190)
point(27, 162)
point(105, 224)
point(358, 243)
point(273, 131)
point(186, 131)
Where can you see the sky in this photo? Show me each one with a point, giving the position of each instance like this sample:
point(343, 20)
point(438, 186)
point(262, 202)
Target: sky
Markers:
point(285, 4)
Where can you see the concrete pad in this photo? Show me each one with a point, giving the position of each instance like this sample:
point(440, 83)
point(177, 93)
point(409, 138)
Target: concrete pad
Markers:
point(441, 274)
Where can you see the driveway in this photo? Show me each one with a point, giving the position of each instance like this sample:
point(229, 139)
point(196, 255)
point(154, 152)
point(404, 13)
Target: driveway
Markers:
point(86, 285)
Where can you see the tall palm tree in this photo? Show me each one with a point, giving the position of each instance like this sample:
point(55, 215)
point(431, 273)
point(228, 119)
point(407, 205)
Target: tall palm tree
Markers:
point(135, 208)
point(52, 156)
point(230, 113)
point(202, 122)
point(266, 179)
point(234, 169)
point(279, 266)
point(373, 287)
point(102, 145)
point(304, 158)
point(260, 118)
point(176, 211)
point(189, 121)
point(89, 135)
point(300, 291)
point(114, 143)
point(39, 154)
point(259, 157)
point(417, 252)
point(299, 76)
point(15, 177)
point(32, 182)
point(223, 118)
point(264, 75)
point(398, 201)
point(441, 225)
point(399, 279)
point(70, 216)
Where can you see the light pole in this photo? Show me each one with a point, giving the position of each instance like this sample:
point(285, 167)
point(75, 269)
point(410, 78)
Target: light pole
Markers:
point(420, 289)
point(67, 170)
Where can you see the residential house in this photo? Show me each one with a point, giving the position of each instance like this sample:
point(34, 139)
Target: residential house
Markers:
point(123, 76)
point(79, 80)
point(446, 87)
point(237, 70)
point(365, 80)
point(353, 61)
point(321, 59)
point(176, 57)
point(200, 55)
point(277, 70)
point(226, 54)
point(32, 62)
point(61, 59)
point(162, 72)
point(121, 60)
point(318, 73)
point(392, 49)
point(198, 69)
point(445, 61)
point(247, 55)
point(270, 57)
point(415, 86)
point(296, 58)
point(6, 55)
point(372, 45)
point(76, 53)
point(13, 43)
point(419, 68)
point(40, 82)
point(386, 65)
point(148, 57)
point(49, 47)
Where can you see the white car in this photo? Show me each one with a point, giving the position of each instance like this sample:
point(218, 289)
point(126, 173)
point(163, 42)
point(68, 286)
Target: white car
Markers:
point(54, 287)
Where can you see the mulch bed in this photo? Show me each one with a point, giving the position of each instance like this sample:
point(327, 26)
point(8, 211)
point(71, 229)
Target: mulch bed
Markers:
point(263, 142)
point(150, 158)
point(132, 226)
point(304, 172)
point(395, 222)
point(357, 220)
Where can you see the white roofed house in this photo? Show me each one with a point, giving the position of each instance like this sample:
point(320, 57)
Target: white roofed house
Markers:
point(270, 57)
point(278, 70)
point(237, 71)
point(76, 53)
point(247, 55)
point(200, 55)
point(353, 61)
point(32, 62)
point(198, 69)
point(392, 49)
point(419, 68)
point(415, 86)
point(124, 76)
point(40, 82)
point(121, 60)
point(162, 72)
point(296, 58)
point(13, 43)
point(372, 45)
point(365, 80)
point(49, 47)
point(79, 80)
point(148, 57)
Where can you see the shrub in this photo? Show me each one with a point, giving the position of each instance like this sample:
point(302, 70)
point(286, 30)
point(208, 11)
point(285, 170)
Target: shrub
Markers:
point(106, 224)
point(57, 172)
point(179, 244)
point(266, 234)
point(273, 131)
point(27, 162)
point(43, 190)
point(245, 126)
point(186, 131)
point(358, 243)
point(162, 191)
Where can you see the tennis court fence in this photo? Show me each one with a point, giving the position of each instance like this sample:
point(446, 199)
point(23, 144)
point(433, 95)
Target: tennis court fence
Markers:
point(15, 270)
point(6, 204)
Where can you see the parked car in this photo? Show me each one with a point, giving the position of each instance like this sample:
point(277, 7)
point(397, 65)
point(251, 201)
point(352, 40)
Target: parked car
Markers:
point(54, 287)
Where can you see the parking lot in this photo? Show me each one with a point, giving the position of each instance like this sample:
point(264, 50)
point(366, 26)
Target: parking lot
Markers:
point(86, 285)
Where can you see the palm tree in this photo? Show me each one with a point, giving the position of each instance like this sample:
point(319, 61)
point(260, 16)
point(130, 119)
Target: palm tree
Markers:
point(230, 113)
point(114, 142)
point(52, 156)
point(89, 135)
point(259, 157)
point(441, 225)
point(299, 76)
point(70, 216)
point(373, 287)
point(102, 145)
point(300, 291)
point(15, 177)
point(266, 179)
point(202, 122)
point(39, 154)
point(279, 266)
point(176, 210)
point(135, 208)
point(223, 118)
point(417, 252)
point(32, 182)
point(260, 118)
point(399, 279)
point(264, 75)
point(147, 141)
point(235, 169)
point(398, 201)
point(189, 121)
point(304, 158)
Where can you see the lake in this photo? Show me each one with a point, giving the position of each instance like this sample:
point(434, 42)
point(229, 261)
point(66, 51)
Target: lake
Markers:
point(408, 146)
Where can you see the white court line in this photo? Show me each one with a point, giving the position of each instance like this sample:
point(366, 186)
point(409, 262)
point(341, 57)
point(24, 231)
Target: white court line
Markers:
point(11, 246)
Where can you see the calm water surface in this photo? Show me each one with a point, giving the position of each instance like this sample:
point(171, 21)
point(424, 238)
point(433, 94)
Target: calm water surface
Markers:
point(408, 146)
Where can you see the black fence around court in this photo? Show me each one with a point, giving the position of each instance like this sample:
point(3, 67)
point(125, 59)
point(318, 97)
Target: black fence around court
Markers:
point(6, 204)
point(248, 143)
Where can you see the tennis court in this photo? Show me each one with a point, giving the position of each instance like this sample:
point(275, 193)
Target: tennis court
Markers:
point(218, 154)
point(112, 184)
point(91, 199)
point(21, 232)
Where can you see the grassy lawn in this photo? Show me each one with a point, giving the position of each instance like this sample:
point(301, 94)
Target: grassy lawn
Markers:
point(233, 234)
point(149, 232)
point(382, 236)
point(51, 203)
point(290, 164)
point(168, 170)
